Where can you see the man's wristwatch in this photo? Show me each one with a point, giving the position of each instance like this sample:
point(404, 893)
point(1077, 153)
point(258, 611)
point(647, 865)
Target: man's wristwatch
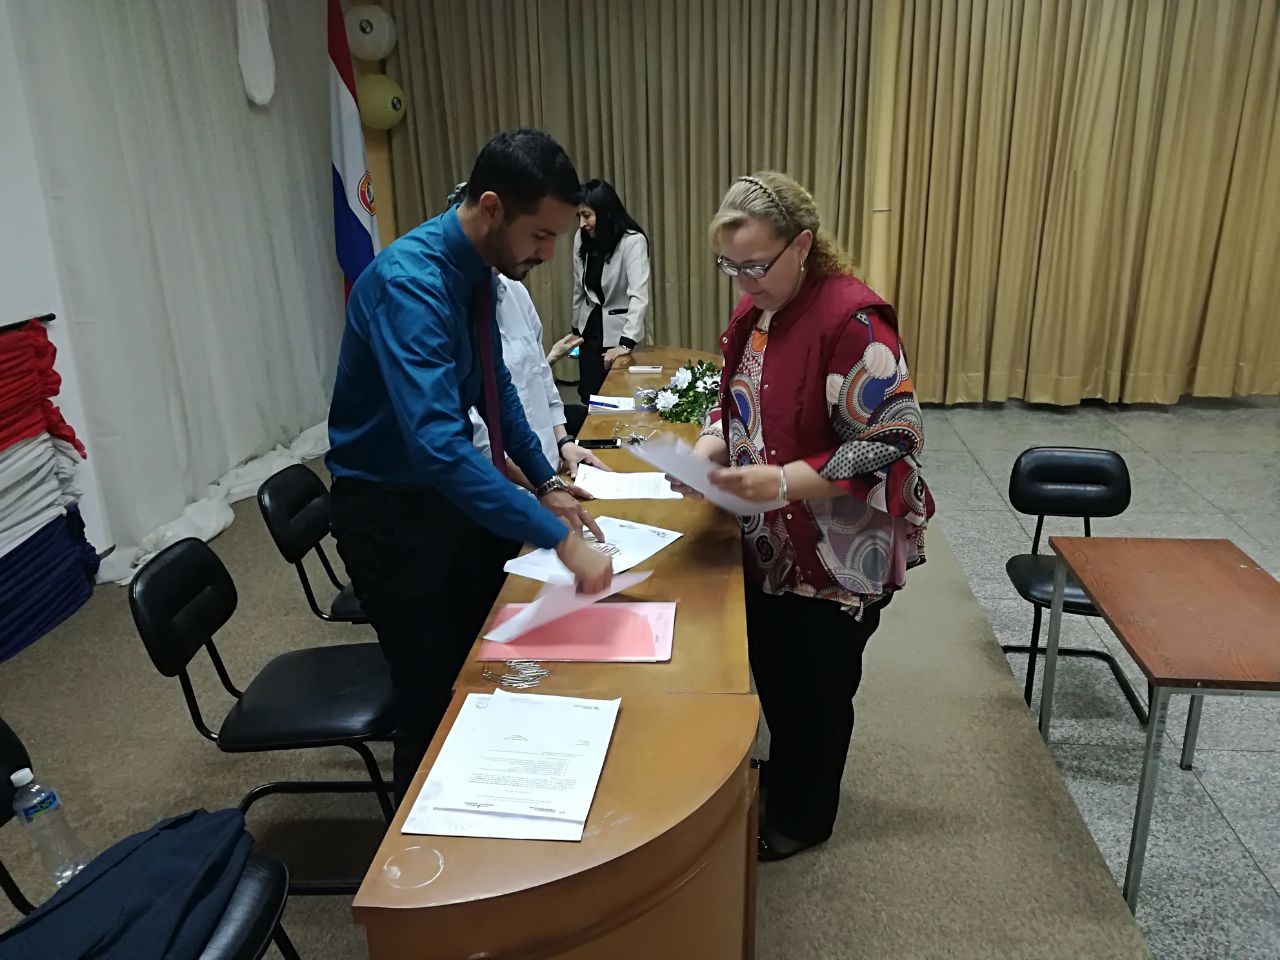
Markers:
point(555, 483)
point(567, 438)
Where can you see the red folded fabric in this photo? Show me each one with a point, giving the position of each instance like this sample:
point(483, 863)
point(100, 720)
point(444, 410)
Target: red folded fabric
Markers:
point(27, 382)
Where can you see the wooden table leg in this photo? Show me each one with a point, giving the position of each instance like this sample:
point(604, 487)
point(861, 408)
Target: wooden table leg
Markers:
point(1146, 797)
point(1051, 649)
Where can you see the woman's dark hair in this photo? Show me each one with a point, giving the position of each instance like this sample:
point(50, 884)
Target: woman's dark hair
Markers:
point(521, 167)
point(612, 220)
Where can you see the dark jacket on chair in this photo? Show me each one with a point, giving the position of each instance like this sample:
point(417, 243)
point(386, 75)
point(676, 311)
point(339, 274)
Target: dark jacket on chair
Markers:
point(157, 895)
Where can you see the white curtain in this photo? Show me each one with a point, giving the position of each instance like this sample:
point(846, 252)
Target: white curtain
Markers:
point(193, 232)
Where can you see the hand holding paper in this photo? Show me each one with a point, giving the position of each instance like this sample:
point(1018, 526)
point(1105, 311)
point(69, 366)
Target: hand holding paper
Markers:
point(627, 543)
point(556, 601)
point(679, 460)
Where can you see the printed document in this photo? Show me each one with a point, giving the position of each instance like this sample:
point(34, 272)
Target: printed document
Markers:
point(628, 542)
point(605, 485)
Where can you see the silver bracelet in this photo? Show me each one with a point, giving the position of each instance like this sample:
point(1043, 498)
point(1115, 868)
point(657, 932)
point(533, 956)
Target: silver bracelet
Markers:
point(782, 485)
point(555, 483)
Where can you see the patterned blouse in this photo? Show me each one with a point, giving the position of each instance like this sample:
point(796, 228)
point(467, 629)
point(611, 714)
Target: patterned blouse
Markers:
point(865, 549)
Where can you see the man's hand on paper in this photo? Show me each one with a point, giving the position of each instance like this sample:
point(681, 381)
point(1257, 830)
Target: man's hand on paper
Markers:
point(592, 570)
point(574, 456)
point(581, 493)
point(564, 504)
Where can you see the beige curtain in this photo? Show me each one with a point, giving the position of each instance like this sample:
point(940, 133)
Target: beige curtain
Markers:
point(667, 99)
point(1085, 197)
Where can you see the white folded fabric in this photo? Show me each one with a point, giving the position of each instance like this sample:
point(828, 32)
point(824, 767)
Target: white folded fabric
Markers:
point(37, 482)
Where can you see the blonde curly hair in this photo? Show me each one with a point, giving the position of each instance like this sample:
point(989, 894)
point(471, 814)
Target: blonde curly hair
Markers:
point(788, 208)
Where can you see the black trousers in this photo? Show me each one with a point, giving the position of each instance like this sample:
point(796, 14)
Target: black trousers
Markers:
point(575, 415)
point(426, 575)
point(591, 370)
point(806, 657)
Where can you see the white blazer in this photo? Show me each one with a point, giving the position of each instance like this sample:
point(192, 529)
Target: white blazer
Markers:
point(625, 285)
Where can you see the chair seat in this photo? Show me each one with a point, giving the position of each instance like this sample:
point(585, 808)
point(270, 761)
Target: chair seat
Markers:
point(1032, 576)
point(346, 606)
point(251, 916)
point(313, 697)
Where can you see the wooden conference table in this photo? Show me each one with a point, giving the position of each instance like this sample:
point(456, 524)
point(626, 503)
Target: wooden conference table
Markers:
point(1198, 617)
point(666, 866)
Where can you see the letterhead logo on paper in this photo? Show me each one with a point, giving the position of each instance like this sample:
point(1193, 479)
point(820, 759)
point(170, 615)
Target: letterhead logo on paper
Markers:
point(365, 192)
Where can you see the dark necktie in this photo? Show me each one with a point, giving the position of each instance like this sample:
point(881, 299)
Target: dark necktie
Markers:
point(490, 413)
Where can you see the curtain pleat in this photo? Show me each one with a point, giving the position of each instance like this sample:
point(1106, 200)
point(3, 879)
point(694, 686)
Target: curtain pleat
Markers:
point(669, 100)
point(1085, 198)
point(1077, 192)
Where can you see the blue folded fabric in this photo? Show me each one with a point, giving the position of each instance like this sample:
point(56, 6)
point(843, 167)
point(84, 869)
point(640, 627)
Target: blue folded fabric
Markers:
point(43, 581)
point(157, 894)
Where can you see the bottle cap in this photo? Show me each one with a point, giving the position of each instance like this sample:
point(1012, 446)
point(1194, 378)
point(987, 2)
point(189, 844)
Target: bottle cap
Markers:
point(20, 778)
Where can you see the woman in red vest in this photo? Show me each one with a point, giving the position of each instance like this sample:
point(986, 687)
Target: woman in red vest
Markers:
point(818, 423)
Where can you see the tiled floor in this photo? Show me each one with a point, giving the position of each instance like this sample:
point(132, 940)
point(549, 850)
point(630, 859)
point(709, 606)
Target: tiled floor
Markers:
point(1202, 469)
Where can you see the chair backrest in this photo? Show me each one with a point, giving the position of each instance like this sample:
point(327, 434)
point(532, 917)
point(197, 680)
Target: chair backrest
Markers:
point(180, 599)
point(13, 756)
point(1069, 482)
point(295, 506)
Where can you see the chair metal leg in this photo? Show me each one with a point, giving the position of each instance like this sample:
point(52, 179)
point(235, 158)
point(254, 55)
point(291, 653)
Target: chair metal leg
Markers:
point(375, 785)
point(307, 787)
point(1032, 653)
point(1117, 671)
point(284, 944)
point(1051, 649)
point(1193, 731)
point(375, 777)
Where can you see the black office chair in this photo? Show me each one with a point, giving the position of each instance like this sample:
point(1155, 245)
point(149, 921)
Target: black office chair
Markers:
point(295, 506)
point(316, 697)
point(251, 921)
point(1064, 482)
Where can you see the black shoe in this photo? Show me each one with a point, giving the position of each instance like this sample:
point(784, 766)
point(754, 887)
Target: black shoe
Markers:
point(772, 846)
point(762, 767)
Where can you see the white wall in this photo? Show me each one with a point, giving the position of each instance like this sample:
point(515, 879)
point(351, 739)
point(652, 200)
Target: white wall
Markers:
point(29, 282)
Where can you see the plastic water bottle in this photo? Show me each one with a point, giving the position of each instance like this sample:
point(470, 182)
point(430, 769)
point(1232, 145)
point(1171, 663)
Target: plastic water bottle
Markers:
point(42, 813)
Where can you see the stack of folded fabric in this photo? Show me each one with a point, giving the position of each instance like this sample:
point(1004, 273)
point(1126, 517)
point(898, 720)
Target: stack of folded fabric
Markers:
point(47, 566)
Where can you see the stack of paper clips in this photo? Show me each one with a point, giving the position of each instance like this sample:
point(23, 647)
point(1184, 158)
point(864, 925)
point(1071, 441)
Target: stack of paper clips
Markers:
point(520, 675)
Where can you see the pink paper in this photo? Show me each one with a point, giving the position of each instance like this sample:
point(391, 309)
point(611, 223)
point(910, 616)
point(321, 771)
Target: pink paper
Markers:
point(603, 632)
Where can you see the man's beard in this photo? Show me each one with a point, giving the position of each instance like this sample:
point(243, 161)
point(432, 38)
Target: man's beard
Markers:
point(518, 271)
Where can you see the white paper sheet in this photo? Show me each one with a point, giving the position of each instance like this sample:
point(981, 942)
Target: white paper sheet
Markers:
point(425, 818)
point(606, 485)
point(533, 755)
point(602, 404)
point(679, 460)
point(628, 542)
point(556, 601)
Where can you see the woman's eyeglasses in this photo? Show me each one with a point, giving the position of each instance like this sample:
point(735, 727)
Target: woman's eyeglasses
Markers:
point(756, 271)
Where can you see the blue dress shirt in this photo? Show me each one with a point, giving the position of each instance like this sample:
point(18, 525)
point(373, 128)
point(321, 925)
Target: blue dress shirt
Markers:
point(409, 372)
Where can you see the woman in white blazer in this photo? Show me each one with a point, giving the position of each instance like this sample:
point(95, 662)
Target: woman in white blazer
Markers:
point(610, 284)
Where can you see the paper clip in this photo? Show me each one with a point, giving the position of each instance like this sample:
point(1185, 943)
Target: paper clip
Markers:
point(633, 435)
point(520, 675)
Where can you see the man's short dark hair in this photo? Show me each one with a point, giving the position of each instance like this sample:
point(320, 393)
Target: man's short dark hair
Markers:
point(521, 167)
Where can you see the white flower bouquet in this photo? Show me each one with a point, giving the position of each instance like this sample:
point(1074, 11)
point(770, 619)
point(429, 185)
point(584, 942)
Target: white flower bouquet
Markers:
point(693, 391)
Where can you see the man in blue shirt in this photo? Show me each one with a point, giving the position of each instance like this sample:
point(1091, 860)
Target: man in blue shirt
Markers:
point(420, 515)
